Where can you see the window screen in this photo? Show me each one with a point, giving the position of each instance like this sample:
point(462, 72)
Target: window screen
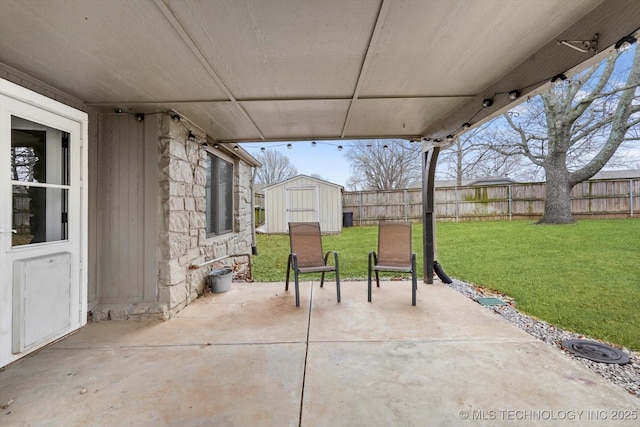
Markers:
point(219, 194)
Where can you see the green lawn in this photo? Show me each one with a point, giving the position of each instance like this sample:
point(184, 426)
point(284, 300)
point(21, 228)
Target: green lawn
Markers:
point(583, 277)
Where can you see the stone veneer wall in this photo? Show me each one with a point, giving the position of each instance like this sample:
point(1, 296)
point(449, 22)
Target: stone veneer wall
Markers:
point(182, 237)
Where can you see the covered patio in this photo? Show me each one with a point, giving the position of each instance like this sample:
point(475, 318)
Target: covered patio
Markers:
point(147, 95)
point(249, 357)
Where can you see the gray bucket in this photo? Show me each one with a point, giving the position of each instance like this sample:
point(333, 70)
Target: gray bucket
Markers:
point(219, 280)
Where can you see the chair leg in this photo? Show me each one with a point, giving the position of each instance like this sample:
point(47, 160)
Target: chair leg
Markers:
point(369, 279)
point(286, 282)
point(414, 288)
point(337, 266)
point(338, 285)
point(322, 279)
point(295, 274)
point(414, 280)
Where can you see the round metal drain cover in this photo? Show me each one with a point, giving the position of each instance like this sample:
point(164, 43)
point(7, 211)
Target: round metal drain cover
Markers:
point(596, 351)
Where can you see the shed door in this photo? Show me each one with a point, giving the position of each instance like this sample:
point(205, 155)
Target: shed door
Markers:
point(41, 296)
point(303, 203)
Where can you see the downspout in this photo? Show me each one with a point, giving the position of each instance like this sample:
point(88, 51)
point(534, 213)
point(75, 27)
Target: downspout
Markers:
point(429, 160)
point(254, 246)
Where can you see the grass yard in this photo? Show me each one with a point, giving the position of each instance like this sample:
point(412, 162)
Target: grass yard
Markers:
point(583, 277)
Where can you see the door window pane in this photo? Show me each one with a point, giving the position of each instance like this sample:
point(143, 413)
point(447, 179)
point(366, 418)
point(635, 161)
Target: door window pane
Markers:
point(40, 160)
point(39, 153)
point(39, 214)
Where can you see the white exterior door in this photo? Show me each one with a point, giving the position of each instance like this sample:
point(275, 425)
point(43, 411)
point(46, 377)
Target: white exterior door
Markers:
point(302, 203)
point(42, 221)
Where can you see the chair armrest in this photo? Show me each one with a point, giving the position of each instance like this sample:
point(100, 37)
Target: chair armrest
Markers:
point(373, 257)
point(293, 260)
point(335, 258)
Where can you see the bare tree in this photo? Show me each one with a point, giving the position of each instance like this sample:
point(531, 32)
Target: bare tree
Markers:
point(573, 130)
point(275, 168)
point(383, 164)
point(471, 157)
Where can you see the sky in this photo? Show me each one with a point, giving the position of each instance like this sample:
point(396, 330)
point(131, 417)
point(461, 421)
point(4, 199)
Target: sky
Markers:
point(324, 159)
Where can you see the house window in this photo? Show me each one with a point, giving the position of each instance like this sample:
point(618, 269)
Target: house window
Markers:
point(219, 196)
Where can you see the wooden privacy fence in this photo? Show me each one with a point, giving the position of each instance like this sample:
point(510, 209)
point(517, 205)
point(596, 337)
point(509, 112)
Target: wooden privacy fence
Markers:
point(593, 199)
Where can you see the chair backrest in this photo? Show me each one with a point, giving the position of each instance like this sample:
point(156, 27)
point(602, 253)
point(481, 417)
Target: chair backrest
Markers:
point(306, 242)
point(394, 243)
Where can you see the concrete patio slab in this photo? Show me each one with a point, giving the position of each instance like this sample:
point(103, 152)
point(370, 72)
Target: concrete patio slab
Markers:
point(250, 357)
point(440, 313)
point(239, 385)
point(454, 383)
point(258, 313)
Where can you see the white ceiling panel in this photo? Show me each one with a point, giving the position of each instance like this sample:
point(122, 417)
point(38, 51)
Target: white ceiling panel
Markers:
point(222, 121)
point(453, 47)
point(282, 49)
point(324, 119)
point(396, 117)
point(100, 50)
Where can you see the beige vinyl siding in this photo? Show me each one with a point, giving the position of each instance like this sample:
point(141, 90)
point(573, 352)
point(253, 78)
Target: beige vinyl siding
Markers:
point(303, 198)
point(120, 199)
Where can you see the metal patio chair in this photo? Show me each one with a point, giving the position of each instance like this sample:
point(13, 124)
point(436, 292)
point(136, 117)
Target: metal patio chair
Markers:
point(394, 254)
point(306, 255)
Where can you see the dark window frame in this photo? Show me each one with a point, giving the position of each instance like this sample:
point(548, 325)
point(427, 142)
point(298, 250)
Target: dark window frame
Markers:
point(219, 192)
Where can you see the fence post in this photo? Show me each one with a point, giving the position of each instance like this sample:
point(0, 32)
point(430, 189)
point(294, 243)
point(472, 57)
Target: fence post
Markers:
point(406, 205)
point(455, 201)
point(510, 200)
point(631, 197)
point(360, 207)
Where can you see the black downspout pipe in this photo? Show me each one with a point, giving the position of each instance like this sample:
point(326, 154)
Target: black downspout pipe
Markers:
point(429, 160)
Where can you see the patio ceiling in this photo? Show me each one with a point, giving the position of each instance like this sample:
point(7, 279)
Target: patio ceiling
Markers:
point(299, 70)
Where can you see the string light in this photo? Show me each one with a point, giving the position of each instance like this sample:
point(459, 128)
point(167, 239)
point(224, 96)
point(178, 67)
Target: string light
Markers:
point(339, 147)
point(625, 42)
point(517, 93)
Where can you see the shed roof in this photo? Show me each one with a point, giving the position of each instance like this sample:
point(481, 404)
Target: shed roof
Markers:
point(297, 177)
point(299, 70)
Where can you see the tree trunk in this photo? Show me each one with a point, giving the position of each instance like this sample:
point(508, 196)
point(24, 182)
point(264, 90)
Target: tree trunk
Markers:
point(557, 202)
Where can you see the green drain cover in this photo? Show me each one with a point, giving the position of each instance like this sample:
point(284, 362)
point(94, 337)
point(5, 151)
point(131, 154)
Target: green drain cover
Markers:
point(490, 301)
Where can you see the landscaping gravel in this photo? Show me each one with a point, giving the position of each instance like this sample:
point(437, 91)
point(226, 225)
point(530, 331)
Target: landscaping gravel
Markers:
point(626, 376)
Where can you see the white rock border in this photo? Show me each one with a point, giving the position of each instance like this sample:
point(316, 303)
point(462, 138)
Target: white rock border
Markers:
point(626, 376)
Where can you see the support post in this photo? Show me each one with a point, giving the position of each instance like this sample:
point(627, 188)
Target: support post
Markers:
point(429, 160)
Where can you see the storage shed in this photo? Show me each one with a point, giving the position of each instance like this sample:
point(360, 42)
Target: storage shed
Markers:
point(303, 199)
